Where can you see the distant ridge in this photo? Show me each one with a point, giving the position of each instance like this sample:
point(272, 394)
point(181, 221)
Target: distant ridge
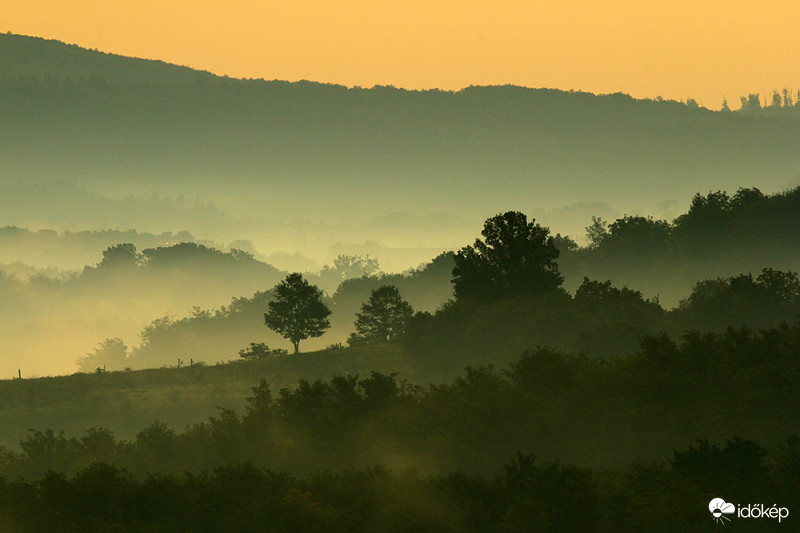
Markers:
point(124, 126)
point(24, 56)
point(50, 59)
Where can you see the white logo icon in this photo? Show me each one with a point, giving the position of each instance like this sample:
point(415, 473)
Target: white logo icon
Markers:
point(719, 508)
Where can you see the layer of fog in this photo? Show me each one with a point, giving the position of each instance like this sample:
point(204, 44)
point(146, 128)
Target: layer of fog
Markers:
point(53, 232)
point(400, 240)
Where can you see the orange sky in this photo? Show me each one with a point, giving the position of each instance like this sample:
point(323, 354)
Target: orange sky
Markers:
point(702, 49)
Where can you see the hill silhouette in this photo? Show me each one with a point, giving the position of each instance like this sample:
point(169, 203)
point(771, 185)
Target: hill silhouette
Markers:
point(279, 150)
point(24, 56)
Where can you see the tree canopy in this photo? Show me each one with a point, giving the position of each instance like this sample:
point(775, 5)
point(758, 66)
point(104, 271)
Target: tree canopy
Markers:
point(120, 255)
point(112, 354)
point(514, 257)
point(383, 318)
point(297, 311)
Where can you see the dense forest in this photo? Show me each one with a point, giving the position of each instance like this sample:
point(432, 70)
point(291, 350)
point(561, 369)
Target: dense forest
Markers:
point(554, 497)
point(441, 445)
point(572, 408)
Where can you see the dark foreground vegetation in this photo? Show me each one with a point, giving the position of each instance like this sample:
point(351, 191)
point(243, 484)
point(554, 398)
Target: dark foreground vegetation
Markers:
point(570, 408)
point(456, 457)
point(527, 495)
point(604, 379)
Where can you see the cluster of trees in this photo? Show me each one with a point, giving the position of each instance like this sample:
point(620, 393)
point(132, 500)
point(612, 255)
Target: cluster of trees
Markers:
point(344, 267)
point(571, 408)
point(715, 222)
point(214, 335)
point(298, 312)
point(210, 335)
point(548, 496)
point(458, 436)
point(72, 250)
point(516, 261)
point(509, 295)
point(780, 99)
point(720, 235)
point(509, 288)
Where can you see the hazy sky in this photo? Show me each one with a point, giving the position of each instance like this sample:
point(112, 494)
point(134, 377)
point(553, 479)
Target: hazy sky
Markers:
point(678, 49)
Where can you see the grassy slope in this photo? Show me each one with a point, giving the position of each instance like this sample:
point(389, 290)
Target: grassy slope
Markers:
point(126, 402)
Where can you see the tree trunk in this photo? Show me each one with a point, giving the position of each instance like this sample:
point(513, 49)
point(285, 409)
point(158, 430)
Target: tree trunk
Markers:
point(296, 346)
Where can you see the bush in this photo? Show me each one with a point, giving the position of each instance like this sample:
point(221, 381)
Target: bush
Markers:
point(259, 350)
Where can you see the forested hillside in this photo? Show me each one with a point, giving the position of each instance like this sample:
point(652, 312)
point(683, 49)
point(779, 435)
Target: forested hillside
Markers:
point(377, 148)
point(727, 261)
point(481, 453)
point(597, 393)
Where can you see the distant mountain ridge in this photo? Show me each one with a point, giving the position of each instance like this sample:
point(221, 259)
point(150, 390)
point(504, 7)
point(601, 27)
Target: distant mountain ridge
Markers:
point(24, 56)
point(281, 150)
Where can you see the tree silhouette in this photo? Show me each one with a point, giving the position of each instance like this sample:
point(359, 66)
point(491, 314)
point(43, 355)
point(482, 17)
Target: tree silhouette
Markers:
point(259, 350)
point(347, 267)
point(112, 354)
point(515, 257)
point(383, 318)
point(297, 311)
point(120, 255)
point(597, 232)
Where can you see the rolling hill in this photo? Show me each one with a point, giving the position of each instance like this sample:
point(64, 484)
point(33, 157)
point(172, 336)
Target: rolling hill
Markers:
point(276, 150)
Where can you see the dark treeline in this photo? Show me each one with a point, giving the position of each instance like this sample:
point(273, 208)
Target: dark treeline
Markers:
point(573, 409)
point(600, 319)
point(570, 408)
point(509, 294)
point(75, 249)
point(719, 235)
point(548, 496)
point(780, 102)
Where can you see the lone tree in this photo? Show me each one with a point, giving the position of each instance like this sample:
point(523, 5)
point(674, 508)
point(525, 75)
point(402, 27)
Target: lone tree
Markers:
point(112, 353)
point(383, 318)
point(297, 311)
point(515, 257)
